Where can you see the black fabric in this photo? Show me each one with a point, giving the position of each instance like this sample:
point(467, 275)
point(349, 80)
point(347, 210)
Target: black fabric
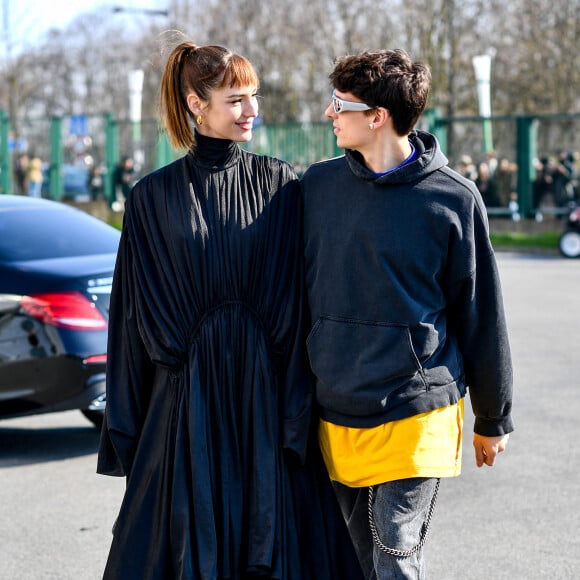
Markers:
point(209, 394)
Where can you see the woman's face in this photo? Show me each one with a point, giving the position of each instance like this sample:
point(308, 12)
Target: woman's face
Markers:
point(230, 114)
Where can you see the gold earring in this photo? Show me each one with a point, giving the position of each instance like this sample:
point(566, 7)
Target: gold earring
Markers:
point(199, 120)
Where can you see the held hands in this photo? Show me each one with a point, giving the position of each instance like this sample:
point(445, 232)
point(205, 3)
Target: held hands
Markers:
point(487, 448)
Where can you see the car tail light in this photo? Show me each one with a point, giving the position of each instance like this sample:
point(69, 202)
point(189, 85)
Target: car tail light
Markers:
point(95, 359)
point(69, 310)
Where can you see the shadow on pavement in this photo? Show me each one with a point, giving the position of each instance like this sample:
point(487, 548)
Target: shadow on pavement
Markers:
point(22, 446)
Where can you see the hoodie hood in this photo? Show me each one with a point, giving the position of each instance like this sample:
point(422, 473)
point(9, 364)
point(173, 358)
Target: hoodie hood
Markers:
point(429, 159)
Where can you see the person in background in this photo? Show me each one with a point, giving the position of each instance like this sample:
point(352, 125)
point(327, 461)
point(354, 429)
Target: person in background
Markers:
point(543, 187)
point(209, 392)
point(34, 176)
point(123, 180)
point(563, 175)
point(406, 312)
point(492, 162)
point(467, 167)
point(486, 185)
point(505, 180)
point(20, 167)
point(95, 182)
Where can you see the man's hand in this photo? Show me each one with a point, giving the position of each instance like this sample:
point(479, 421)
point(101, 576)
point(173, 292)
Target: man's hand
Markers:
point(487, 448)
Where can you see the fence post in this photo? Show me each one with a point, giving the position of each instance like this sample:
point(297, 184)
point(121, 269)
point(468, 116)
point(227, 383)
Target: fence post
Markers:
point(437, 127)
point(56, 157)
point(111, 155)
point(5, 165)
point(526, 139)
point(163, 150)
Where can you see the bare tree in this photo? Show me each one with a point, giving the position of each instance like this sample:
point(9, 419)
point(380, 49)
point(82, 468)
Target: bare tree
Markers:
point(84, 68)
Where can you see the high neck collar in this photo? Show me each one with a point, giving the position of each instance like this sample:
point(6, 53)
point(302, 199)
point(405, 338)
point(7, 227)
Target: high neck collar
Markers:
point(215, 153)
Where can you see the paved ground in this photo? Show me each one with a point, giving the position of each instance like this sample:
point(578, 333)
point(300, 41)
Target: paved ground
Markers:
point(516, 521)
point(519, 519)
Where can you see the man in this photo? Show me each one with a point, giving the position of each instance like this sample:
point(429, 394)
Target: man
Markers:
point(406, 312)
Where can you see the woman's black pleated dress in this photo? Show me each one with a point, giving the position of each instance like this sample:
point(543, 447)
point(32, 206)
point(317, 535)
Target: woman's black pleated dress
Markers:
point(209, 397)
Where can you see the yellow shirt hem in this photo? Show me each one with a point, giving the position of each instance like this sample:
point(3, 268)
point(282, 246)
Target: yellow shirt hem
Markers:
point(425, 445)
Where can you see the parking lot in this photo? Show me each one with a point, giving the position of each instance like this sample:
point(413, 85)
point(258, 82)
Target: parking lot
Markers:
point(516, 521)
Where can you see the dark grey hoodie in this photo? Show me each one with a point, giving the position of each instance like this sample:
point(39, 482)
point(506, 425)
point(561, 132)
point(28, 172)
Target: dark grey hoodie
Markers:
point(404, 293)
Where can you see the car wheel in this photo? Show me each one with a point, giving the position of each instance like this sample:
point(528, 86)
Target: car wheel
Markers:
point(95, 417)
point(569, 244)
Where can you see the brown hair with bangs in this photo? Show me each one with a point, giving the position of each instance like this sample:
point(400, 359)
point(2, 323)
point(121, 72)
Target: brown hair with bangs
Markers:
point(199, 69)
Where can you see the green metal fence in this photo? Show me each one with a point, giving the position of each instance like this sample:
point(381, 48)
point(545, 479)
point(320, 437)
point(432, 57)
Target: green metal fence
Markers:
point(300, 144)
point(522, 139)
point(79, 141)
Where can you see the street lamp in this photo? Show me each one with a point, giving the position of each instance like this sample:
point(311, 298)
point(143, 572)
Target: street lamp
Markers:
point(482, 68)
point(136, 87)
point(135, 102)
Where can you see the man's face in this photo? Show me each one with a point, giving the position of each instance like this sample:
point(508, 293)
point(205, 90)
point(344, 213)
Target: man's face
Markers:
point(350, 127)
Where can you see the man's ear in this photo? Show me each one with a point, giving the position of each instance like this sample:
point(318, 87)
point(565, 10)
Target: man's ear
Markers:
point(194, 103)
point(379, 117)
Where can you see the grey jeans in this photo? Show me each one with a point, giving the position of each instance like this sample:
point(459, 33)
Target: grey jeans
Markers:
point(388, 524)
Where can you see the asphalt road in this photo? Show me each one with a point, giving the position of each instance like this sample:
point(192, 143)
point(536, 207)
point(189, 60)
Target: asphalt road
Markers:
point(515, 521)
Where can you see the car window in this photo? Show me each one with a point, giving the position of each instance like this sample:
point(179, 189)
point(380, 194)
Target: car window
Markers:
point(37, 234)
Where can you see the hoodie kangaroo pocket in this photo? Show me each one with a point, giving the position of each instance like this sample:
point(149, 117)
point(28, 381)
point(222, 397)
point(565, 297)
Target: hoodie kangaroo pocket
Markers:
point(359, 364)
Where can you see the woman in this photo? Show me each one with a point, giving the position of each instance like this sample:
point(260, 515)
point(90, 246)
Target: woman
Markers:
point(208, 392)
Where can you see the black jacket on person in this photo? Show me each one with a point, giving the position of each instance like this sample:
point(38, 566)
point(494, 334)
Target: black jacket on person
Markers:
point(404, 293)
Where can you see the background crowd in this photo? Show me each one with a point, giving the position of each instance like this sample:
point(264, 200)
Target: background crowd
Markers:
point(555, 184)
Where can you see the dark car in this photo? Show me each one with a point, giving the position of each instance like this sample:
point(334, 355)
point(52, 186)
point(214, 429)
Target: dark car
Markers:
point(56, 269)
point(569, 241)
point(75, 182)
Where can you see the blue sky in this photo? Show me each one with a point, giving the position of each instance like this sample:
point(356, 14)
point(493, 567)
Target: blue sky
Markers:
point(23, 20)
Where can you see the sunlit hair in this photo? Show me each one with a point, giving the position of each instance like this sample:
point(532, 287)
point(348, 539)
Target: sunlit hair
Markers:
point(199, 69)
point(388, 79)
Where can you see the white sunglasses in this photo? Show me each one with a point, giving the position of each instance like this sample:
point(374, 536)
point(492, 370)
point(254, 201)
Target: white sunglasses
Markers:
point(340, 105)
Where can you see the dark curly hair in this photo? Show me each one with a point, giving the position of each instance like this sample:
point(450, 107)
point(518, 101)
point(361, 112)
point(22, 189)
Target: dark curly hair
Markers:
point(388, 79)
